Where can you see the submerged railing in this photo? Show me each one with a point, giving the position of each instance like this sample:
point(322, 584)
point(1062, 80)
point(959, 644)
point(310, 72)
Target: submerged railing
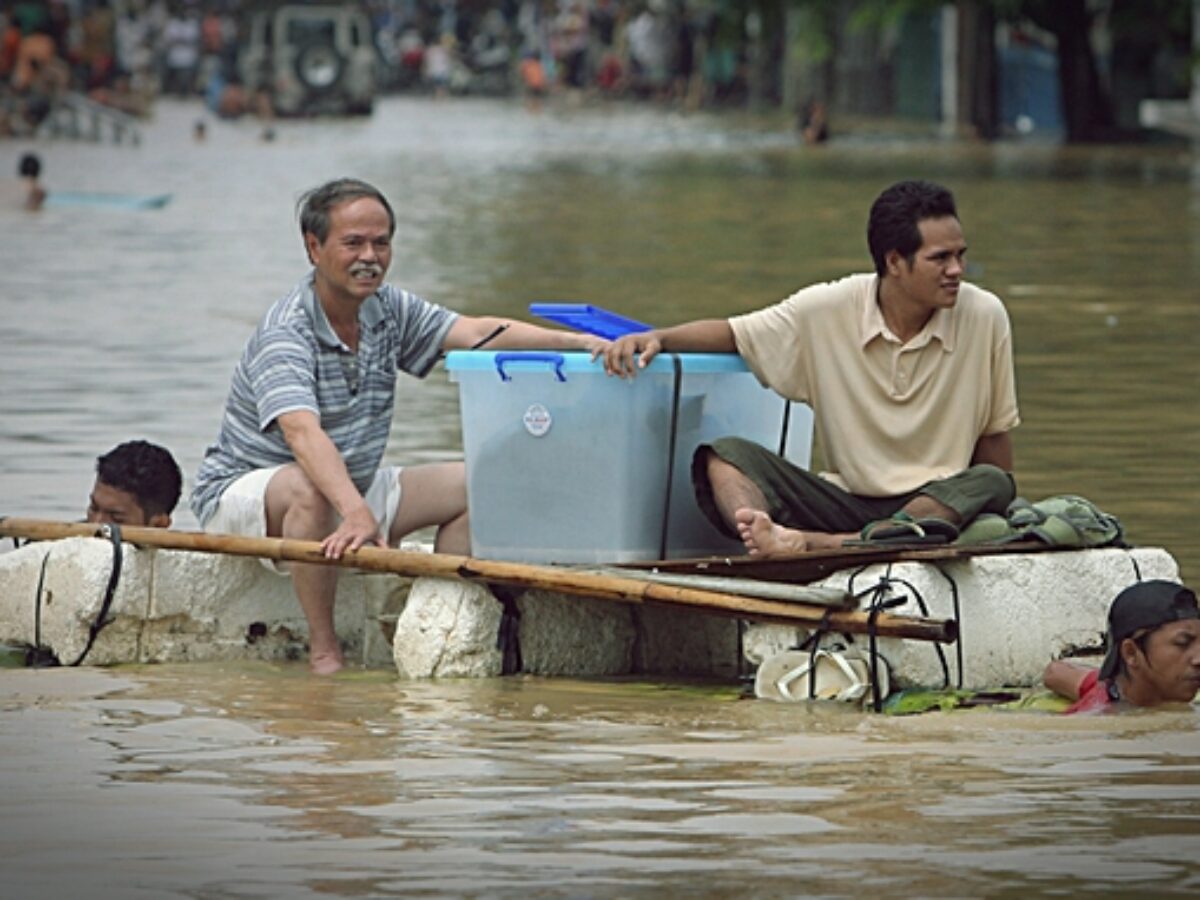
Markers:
point(76, 117)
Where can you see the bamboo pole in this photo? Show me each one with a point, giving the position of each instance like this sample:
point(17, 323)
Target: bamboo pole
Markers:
point(524, 575)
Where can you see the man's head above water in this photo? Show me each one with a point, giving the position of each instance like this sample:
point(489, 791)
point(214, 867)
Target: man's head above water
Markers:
point(1154, 643)
point(137, 483)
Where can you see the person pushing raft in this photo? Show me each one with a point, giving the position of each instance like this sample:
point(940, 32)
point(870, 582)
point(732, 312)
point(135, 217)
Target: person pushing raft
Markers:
point(137, 483)
point(1153, 653)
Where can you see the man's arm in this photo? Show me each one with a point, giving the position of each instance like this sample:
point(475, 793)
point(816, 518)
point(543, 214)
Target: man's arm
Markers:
point(470, 332)
point(323, 464)
point(626, 355)
point(1065, 678)
point(995, 449)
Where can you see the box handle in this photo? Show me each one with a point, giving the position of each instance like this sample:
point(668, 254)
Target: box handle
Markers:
point(553, 359)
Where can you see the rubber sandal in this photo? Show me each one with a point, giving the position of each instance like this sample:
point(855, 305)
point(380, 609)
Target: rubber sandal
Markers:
point(989, 528)
point(904, 529)
point(796, 676)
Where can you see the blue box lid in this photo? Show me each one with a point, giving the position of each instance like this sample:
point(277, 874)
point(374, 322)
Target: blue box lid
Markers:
point(585, 317)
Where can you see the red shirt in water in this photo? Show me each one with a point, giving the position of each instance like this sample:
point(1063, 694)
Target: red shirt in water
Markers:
point(1094, 695)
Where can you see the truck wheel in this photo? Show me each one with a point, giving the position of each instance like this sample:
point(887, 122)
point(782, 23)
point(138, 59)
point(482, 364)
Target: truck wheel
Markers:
point(319, 66)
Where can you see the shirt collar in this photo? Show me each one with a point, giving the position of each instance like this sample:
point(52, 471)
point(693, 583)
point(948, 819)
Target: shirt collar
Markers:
point(370, 314)
point(871, 325)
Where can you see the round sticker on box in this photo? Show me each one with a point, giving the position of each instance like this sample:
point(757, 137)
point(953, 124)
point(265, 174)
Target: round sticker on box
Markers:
point(537, 420)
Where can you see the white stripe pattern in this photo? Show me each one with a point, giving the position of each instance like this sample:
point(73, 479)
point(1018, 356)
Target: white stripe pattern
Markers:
point(294, 361)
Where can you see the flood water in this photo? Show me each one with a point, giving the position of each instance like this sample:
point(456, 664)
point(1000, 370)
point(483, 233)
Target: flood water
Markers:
point(257, 781)
point(260, 781)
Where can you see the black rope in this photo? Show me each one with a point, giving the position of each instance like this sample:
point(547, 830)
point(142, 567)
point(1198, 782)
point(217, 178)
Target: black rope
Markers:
point(879, 601)
point(812, 644)
point(16, 539)
point(742, 668)
point(872, 651)
point(508, 635)
point(812, 665)
point(783, 429)
point(877, 606)
point(37, 656)
point(37, 596)
point(924, 608)
point(958, 643)
point(113, 533)
point(671, 441)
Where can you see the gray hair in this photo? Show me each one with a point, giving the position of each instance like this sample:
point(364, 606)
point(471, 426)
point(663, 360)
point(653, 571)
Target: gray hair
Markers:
point(315, 205)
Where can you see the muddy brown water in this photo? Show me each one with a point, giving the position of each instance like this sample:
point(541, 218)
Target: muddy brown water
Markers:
point(259, 781)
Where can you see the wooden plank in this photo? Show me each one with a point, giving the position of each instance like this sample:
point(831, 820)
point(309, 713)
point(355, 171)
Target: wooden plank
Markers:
point(745, 587)
point(805, 568)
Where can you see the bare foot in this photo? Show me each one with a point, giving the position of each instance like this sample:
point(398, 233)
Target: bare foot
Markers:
point(325, 663)
point(763, 537)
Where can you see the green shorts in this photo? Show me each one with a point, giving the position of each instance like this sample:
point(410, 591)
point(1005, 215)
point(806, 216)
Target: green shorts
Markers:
point(796, 498)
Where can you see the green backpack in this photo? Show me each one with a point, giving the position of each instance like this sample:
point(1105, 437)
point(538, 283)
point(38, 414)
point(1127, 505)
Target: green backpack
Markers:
point(1064, 520)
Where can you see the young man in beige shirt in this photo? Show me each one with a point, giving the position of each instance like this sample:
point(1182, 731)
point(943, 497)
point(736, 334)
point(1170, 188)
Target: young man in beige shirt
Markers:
point(909, 374)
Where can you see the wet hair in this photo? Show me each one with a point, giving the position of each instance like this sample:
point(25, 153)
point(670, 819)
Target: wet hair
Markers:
point(30, 166)
point(147, 471)
point(896, 214)
point(315, 205)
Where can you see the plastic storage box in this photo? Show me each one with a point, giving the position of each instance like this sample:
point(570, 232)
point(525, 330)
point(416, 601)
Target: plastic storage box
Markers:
point(567, 464)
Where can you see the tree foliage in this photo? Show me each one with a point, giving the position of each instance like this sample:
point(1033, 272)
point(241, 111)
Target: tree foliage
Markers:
point(1086, 103)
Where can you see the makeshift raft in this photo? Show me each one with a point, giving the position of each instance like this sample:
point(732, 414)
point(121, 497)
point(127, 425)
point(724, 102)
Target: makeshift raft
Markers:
point(1001, 615)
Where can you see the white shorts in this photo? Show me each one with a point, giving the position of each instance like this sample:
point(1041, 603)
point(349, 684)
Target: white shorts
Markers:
point(243, 508)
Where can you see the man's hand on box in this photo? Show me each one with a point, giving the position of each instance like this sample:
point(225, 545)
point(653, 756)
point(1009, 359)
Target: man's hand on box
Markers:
point(624, 356)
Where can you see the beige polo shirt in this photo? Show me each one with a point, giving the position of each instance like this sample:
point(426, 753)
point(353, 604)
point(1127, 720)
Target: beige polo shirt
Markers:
point(889, 416)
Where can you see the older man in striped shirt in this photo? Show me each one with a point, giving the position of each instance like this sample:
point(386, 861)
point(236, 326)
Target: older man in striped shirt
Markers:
point(310, 407)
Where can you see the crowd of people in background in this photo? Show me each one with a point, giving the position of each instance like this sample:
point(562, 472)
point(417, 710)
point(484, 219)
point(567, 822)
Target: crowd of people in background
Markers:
point(120, 54)
point(125, 53)
point(662, 49)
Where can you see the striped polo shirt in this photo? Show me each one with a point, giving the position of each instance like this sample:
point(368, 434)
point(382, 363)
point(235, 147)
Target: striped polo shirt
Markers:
point(295, 361)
